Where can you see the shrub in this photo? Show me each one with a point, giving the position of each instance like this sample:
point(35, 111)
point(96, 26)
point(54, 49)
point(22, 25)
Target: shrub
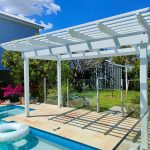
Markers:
point(13, 93)
point(134, 106)
point(52, 95)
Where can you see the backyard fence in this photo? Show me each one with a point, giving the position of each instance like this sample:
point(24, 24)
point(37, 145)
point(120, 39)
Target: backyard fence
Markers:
point(95, 99)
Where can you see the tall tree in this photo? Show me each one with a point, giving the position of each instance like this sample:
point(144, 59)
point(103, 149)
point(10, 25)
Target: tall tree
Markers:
point(125, 59)
point(78, 68)
point(39, 69)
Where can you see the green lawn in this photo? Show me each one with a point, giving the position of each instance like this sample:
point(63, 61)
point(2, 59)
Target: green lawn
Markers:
point(106, 99)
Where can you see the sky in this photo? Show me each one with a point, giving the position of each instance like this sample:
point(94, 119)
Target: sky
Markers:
point(59, 14)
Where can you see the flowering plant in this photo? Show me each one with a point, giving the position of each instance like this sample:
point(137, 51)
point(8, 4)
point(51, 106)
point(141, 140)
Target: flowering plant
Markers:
point(9, 90)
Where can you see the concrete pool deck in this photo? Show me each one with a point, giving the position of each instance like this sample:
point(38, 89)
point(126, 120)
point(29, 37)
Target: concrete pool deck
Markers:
point(101, 130)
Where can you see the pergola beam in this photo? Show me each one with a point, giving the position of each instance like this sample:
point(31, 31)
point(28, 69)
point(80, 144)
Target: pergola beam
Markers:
point(79, 35)
point(140, 36)
point(55, 39)
point(68, 50)
point(103, 28)
point(41, 44)
point(45, 58)
point(143, 22)
point(101, 54)
point(92, 46)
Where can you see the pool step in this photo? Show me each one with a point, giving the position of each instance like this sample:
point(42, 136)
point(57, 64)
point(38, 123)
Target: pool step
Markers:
point(3, 115)
point(20, 145)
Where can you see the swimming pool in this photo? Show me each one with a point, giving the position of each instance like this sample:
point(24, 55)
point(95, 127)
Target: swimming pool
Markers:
point(10, 110)
point(38, 139)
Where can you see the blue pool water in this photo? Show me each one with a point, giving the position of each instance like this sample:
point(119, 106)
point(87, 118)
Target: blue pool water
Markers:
point(37, 139)
point(10, 110)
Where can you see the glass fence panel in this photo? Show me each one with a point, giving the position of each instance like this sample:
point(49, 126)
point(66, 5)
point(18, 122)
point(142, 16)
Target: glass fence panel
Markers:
point(84, 93)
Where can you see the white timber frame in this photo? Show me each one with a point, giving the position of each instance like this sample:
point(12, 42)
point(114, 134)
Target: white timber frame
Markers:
point(26, 86)
point(144, 96)
point(120, 35)
point(59, 82)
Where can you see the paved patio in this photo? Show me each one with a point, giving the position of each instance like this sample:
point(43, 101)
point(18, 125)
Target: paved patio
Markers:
point(102, 130)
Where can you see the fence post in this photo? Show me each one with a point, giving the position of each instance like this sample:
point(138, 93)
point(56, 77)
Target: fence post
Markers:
point(126, 70)
point(97, 87)
point(67, 92)
point(97, 99)
point(112, 81)
point(45, 93)
point(122, 109)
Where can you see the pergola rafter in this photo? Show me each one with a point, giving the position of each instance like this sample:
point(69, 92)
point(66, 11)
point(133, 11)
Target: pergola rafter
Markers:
point(121, 35)
point(110, 32)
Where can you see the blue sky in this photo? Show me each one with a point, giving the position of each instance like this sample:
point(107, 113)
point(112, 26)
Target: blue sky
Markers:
point(74, 12)
point(58, 14)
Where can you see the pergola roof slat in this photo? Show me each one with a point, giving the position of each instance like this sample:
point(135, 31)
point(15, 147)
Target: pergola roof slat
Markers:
point(120, 20)
point(123, 23)
point(138, 28)
point(95, 39)
point(135, 24)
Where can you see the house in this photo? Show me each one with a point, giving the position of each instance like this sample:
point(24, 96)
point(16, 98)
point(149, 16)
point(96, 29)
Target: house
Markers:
point(11, 28)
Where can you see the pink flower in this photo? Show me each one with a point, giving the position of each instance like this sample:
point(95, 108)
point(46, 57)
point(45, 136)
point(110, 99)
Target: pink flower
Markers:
point(18, 90)
point(8, 90)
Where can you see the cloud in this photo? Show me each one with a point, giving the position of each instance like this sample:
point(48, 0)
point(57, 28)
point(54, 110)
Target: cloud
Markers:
point(29, 7)
point(46, 26)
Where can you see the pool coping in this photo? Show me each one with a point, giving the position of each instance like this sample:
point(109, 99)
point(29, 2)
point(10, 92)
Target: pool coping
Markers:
point(52, 134)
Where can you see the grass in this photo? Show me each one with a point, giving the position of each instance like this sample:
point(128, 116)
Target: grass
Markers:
point(106, 99)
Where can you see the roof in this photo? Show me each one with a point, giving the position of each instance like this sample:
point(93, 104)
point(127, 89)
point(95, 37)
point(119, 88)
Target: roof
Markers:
point(114, 36)
point(20, 20)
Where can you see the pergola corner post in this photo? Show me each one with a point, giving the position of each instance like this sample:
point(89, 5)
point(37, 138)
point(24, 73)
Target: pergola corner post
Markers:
point(26, 86)
point(59, 93)
point(144, 95)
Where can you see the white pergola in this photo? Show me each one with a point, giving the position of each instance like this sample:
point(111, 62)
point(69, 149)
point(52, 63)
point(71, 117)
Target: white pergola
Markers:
point(121, 35)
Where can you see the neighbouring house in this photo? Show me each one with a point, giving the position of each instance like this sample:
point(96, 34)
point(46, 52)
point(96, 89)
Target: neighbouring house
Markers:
point(12, 28)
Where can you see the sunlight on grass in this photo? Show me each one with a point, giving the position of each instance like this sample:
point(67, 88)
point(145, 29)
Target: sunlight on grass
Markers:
point(106, 99)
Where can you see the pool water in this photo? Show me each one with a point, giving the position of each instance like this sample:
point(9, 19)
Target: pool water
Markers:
point(10, 110)
point(31, 142)
point(37, 139)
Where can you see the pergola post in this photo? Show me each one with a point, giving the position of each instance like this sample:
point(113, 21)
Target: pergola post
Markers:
point(144, 96)
point(59, 82)
point(26, 86)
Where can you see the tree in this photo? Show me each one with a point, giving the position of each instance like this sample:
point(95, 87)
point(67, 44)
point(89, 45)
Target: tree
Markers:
point(39, 69)
point(14, 61)
point(78, 68)
point(125, 59)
